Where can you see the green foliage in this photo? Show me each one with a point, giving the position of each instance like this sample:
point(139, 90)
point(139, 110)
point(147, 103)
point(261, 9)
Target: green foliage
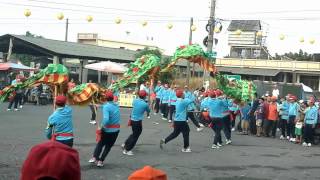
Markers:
point(25, 58)
point(148, 50)
point(300, 56)
point(166, 77)
point(29, 34)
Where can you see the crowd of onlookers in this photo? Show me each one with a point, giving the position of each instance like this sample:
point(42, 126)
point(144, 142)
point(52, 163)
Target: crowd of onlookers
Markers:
point(295, 120)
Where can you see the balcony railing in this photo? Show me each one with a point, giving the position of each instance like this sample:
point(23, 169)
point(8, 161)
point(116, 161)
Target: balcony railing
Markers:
point(270, 64)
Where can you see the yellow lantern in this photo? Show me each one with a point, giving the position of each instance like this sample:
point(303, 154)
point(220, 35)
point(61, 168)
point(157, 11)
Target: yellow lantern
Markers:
point(89, 18)
point(301, 39)
point(193, 28)
point(238, 32)
point(169, 26)
point(144, 23)
point(117, 20)
point(60, 16)
point(312, 41)
point(27, 13)
point(259, 33)
point(281, 37)
point(217, 30)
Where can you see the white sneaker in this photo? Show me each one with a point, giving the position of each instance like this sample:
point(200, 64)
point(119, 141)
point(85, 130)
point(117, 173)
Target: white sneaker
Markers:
point(93, 122)
point(282, 137)
point(220, 145)
point(20, 106)
point(293, 140)
point(201, 125)
point(148, 117)
point(8, 109)
point(16, 109)
point(129, 153)
point(170, 121)
point(165, 119)
point(92, 160)
point(233, 129)
point(187, 150)
point(288, 137)
point(122, 146)
point(100, 164)
point(199, 129)
point(214, 146)
point(304, 144)
point(228, 141)
point(309, 145)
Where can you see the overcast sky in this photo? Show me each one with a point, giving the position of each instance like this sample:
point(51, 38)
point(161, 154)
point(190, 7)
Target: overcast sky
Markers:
point(293, 18)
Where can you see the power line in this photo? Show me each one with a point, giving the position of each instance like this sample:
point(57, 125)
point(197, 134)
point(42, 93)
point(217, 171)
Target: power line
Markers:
point(87, 11)
point(97, 7)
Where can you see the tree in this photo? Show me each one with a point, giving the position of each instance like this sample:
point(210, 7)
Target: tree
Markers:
point(300, 56)
point(26, 59)
point(166, 77)
point(29, 34)
point(148, 50)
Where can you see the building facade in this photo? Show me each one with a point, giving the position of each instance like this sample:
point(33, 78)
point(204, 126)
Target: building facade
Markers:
point(246, 40)
point(93, 39)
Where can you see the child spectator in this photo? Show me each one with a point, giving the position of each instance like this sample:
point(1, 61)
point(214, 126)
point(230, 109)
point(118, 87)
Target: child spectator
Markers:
point(299, 122)
point(244, 110)
point(259, 116)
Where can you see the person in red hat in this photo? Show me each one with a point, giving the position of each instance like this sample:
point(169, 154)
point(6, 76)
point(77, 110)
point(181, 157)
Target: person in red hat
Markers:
point(148, 173)
point(217, 108)
point(51, 160)
point(60, 127)
point(110, 128)
point(310, 121)
point(140, 106)
point(180, 124)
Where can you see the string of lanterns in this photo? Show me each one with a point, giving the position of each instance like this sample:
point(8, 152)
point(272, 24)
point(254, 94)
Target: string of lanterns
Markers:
point(217, 28)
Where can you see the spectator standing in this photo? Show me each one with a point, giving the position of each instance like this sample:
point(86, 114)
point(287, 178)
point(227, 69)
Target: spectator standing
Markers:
point(293, 114)
point(259, 113)
point(244, 110)
point(272, 118)
point(310, 121)
point(284, 117)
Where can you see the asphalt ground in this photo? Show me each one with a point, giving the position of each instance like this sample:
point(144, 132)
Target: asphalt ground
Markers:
point(248, 157)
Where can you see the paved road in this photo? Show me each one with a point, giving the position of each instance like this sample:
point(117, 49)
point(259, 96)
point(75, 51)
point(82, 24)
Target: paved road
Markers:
point(247, 158)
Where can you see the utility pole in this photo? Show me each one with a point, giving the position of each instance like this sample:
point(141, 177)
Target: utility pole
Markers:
point(211, 32)
point(188, 62)
point(67, 27)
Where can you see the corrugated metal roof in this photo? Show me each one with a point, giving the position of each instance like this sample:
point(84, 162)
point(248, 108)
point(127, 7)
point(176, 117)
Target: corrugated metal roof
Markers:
point(73, 50)
point(245, 25)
